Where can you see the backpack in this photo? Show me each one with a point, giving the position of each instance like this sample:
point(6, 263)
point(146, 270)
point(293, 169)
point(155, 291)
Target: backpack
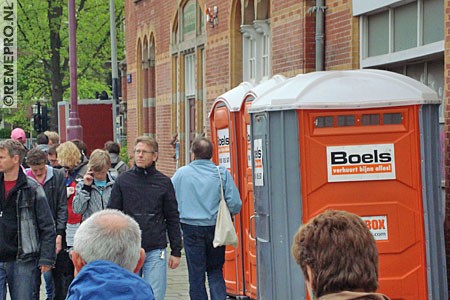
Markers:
point(114, 172)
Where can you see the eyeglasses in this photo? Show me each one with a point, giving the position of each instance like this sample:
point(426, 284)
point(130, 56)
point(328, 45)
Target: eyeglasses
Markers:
point(143, 152)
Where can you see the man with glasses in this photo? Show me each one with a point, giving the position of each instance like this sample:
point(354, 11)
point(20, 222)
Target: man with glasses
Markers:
point(148, 196)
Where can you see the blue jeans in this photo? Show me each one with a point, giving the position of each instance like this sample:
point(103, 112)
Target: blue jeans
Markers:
point(154, 271)
point(48, 284)
point(20, 279)
point(203, 258)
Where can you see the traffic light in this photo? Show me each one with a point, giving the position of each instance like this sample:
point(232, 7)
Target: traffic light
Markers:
point(44, 119)
point(40, 120)
point(37, 122)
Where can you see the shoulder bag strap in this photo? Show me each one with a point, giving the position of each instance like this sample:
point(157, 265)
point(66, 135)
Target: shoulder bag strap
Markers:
point(221, 185)
point(119, 164)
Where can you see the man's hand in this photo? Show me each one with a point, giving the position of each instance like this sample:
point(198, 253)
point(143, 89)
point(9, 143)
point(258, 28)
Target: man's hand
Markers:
point(58, 244)
point(174, 262)
point(45, 268)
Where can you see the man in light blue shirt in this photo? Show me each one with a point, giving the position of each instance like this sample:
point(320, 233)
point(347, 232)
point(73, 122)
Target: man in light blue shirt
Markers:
point(197, 188)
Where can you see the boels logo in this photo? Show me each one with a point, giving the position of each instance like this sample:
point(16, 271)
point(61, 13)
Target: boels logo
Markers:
point(360, 163)
point(224, 141)
point(342, 158)
point(257, 153)
point(223, 149)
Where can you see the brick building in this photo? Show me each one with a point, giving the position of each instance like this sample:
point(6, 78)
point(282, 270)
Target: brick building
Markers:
point(182, 54)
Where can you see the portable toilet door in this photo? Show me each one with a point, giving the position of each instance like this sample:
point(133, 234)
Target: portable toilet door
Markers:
point(223, 122)
point(246, 184)
point(276, 186)
point(367, 142)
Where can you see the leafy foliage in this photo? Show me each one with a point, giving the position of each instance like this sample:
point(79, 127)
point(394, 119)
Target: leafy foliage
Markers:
point(124, 153)
point(43, 42)
point(5, 133)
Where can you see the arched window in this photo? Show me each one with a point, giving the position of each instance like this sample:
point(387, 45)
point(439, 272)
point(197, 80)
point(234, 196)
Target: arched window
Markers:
point(151, 99)
point(255, 30)
point(139, 91)
point(188, 61)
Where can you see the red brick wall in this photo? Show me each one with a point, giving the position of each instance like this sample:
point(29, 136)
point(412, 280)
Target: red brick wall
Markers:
point(339, 32)
point(144, 18)
point(291, 32)
point(292, 52)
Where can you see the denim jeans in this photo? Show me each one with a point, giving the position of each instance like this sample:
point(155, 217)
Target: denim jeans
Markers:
point(154, 271)
point(48, 284)
point(203, 258)
point(20, 279)
point(57, 280)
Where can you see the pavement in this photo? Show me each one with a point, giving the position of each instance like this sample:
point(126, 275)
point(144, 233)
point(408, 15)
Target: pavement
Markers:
point(178, 282)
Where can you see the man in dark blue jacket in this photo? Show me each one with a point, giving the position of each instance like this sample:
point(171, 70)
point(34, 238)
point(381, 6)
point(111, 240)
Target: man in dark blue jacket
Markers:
point(106, 254)
point(54, 183)
point(27, 230)
point(148, 196)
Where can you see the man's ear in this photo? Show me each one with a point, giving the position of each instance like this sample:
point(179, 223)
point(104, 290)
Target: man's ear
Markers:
point(141, 261)
point(78, 262)
point(16, 159)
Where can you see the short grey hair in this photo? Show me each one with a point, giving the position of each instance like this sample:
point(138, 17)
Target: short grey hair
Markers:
point(109, 235)
point(14, 147)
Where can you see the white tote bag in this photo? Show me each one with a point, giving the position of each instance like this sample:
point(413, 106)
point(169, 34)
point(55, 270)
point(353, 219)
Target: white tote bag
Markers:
point(225, 234)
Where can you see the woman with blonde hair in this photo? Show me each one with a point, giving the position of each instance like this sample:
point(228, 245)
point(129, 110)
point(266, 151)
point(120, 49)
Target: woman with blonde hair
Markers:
point(69, 157)
point(92, 194)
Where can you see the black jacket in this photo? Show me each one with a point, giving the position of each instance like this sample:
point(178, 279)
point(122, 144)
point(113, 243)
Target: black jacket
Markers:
point(27, 229)
point(148, 196)
point(55, 190)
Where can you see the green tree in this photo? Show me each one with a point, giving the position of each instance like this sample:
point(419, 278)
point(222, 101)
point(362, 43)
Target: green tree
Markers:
point(43, 63)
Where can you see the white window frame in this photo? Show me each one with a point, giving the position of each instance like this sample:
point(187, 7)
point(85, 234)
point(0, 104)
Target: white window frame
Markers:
point(392, 57)
point(263, 36)
point(189, 75)
point(256, 63)
point(248, 38)
point(190, 92)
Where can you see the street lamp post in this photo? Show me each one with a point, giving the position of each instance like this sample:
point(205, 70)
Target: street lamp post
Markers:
point(114, 71)
point(74, 130)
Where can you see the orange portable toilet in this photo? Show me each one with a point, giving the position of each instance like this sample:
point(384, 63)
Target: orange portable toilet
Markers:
point(223, 120)
point(246, 183)
point(230, 121)
point(365, 141)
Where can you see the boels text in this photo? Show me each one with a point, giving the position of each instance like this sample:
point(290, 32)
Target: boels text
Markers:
point(342, 158)
point(224, 141)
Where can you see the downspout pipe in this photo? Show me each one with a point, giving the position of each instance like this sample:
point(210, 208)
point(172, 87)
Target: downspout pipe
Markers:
point(320, 34)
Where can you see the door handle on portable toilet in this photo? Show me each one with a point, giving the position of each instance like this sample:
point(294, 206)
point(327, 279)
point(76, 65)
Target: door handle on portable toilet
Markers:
point(250, 228)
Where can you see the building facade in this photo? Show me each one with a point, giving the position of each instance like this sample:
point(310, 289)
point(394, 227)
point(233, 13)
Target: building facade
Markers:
point(182, 54)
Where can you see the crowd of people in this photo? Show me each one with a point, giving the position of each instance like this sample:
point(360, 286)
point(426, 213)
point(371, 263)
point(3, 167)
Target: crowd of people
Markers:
point(87, 221)
point(95, 213)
